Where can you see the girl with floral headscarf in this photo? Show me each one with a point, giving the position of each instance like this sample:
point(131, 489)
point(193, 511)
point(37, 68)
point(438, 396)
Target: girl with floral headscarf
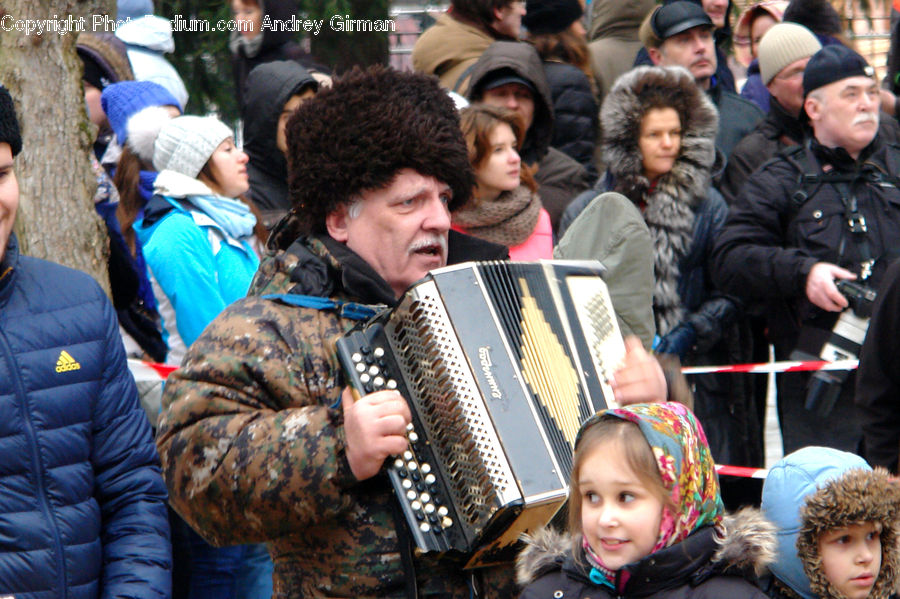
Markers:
point(646, 517)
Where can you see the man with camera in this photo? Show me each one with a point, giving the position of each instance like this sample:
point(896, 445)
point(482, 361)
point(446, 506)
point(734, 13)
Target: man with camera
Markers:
point(824, 211)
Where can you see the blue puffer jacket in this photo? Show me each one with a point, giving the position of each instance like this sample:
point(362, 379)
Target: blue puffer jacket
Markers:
point(82, 500)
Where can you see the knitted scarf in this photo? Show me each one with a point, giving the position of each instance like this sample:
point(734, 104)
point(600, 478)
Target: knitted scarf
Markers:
point(509, 220)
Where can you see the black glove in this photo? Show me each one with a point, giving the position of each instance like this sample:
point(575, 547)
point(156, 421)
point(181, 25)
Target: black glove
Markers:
point(711, 320)
point(677, 341)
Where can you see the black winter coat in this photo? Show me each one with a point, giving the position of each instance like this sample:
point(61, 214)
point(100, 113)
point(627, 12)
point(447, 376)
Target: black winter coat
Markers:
point(777, 131)
point(575, 111)
point(693, 568)
point(878, 377)
point(774, 133)
point(769, 244)
point(768, 247)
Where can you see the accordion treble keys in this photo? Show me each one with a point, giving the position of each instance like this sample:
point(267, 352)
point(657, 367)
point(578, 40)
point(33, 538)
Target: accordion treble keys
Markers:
point(501, 363)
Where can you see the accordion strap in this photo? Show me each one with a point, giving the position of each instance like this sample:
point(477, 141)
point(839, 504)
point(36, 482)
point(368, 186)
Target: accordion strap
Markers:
point(351, 310)
point(355, 311)
point(405, 545)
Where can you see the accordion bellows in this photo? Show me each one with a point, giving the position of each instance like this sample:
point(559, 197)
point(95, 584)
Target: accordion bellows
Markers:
point(500, 362)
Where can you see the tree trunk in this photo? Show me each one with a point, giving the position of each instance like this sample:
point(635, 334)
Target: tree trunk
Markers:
point(56, 218)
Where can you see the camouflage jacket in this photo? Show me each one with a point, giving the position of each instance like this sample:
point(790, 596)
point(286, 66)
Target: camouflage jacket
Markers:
point(252, 442)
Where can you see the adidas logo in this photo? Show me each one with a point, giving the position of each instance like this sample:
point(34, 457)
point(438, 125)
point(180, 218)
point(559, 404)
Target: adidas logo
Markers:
point(66, 362)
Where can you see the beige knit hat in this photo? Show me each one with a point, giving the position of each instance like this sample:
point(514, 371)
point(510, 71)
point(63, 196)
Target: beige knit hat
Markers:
point(783, 44)
point(185, 143)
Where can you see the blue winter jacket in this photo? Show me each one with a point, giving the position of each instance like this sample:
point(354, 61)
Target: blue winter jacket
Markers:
point(82, 499)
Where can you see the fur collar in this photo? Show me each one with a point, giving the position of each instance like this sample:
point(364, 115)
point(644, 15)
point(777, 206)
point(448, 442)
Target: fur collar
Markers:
point(670, 206)
point(857, 496)
point(746, 544)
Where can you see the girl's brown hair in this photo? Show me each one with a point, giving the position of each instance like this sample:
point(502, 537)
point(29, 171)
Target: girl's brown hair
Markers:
point(127, 181)
point(478, 121)
point(638, 457)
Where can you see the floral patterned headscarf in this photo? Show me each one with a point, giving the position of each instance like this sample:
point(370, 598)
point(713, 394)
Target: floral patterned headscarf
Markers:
point(685, 464)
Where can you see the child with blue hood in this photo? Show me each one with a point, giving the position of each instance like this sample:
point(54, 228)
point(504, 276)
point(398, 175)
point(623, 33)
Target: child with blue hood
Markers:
point(836, 520)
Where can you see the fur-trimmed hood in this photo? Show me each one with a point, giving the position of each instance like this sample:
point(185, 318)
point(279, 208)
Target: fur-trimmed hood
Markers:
point(816, 489)
point(669, 207)
point(744, 544)
point(623, 110)
point(524, 61)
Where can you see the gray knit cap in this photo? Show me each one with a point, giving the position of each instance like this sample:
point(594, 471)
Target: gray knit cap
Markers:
point(185, 143)
point(783, 44)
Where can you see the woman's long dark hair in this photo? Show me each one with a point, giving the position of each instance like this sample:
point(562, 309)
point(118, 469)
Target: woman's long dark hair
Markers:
point(567, 47)
point(127, 181)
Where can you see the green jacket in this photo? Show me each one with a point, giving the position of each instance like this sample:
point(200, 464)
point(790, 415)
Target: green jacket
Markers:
point(611, 229)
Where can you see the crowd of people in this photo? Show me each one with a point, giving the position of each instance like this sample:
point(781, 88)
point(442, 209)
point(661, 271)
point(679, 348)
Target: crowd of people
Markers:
point(733, 209)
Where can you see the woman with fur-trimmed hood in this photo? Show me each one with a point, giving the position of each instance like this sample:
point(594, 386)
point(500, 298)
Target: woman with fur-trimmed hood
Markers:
point(837, 527)
point(659, 142)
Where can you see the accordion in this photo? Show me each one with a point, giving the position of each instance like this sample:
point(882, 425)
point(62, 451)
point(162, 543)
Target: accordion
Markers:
point(501, 363)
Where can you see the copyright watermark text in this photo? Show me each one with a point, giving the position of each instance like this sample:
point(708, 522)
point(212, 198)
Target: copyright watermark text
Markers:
point(70, 24)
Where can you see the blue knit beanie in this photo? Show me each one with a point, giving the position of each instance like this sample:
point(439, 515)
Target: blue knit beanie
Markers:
point(133, 9)
point(121, 100)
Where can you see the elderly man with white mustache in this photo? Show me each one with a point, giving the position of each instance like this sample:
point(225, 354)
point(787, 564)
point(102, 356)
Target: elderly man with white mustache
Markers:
point(260, 437)
point(823, 211)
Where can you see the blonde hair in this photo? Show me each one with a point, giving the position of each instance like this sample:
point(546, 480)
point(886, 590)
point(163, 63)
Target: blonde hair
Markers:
point(638, 457)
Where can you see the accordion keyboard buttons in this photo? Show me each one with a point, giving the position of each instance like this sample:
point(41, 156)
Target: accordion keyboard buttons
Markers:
point(415, 479)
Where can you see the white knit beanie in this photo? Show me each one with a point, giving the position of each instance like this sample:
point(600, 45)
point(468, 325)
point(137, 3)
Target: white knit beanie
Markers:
point(783, 44)
point(185, 143)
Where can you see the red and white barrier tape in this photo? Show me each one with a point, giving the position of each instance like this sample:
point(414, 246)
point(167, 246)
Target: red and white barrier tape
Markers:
point(741, 471)
point(762, 367)
point(151, 370)
point(765, 367)
point(147, 370)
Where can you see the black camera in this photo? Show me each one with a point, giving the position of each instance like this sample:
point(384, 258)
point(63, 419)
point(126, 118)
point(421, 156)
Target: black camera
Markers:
point(861, 298)
point(842, 342)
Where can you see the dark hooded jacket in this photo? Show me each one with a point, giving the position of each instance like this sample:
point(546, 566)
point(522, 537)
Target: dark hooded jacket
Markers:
point(576, 114)
point(704, 565)
point(276, 44)
point(684, 214)
point(560, 177)
point(269, 87)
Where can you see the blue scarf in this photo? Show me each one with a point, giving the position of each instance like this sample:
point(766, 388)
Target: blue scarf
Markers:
point(232, 215)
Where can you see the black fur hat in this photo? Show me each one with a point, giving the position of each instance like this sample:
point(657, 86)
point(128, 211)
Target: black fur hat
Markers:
point(357, 134)
point(9, 124)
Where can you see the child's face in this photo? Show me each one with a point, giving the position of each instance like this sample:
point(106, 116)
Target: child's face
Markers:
point(851, 558)
point(620, 517)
